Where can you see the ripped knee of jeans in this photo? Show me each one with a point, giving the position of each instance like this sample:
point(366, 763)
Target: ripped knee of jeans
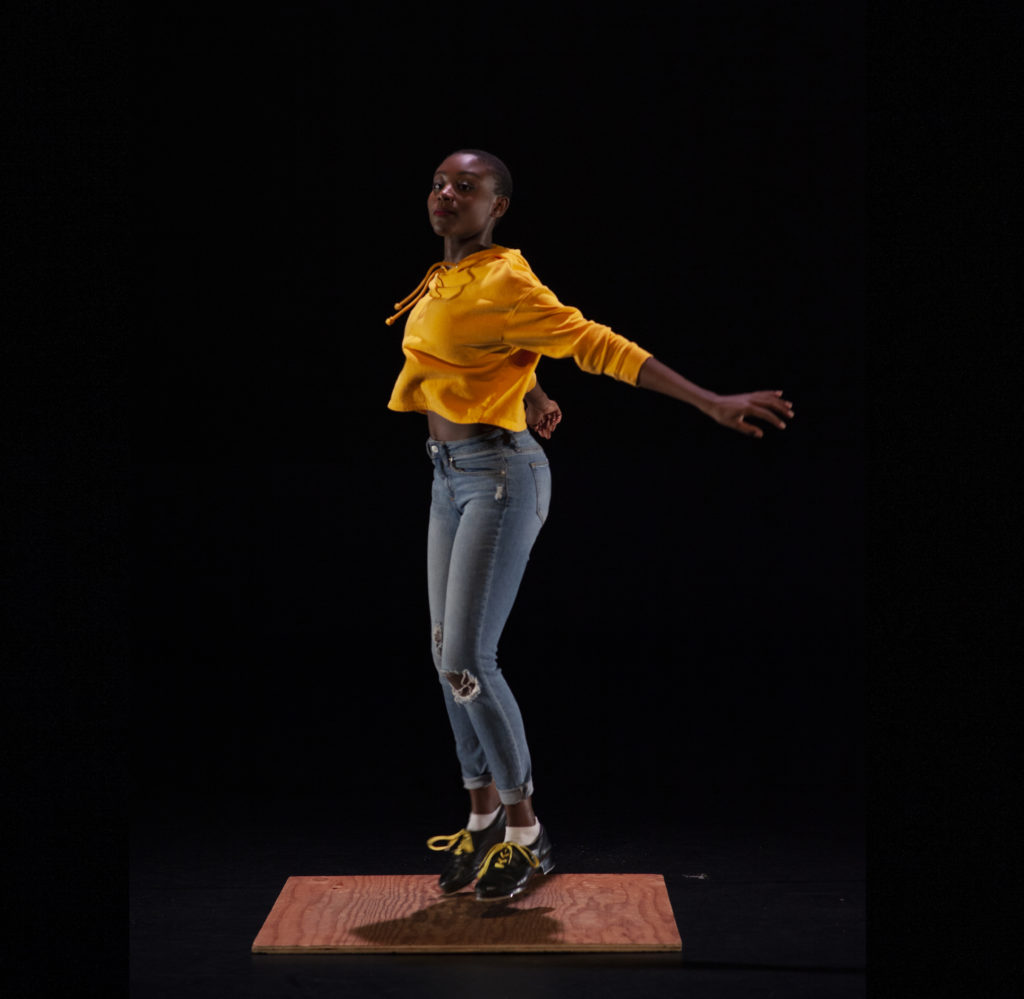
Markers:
point(465, 686)
point(438, 636)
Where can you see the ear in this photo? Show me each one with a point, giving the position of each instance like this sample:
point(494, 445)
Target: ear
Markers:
point(501, 204)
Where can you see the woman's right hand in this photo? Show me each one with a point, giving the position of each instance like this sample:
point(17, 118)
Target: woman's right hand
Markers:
point(542, 416)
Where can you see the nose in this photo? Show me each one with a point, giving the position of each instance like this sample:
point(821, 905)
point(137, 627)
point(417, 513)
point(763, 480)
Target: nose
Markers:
point(446, 193)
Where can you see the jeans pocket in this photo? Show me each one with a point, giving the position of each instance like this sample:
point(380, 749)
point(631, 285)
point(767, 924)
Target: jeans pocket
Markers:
point(542, 483)
point(486, 463)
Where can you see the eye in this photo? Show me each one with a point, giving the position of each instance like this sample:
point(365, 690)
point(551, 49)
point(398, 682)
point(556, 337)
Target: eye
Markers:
point(465, 186)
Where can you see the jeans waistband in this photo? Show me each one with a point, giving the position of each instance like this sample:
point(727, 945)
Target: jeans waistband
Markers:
point(516, 440)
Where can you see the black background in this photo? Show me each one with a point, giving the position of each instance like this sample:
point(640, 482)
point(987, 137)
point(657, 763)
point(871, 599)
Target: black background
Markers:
point(213, 510)
point(692, 615)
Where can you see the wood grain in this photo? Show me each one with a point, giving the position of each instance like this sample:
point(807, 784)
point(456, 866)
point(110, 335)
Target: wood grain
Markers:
point(404, 914)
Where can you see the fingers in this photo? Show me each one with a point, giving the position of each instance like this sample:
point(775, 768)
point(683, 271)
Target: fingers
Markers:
point(748, 429)
point(546, 424)
point(769, 417)
point(780, 405)
point(770, 407)
point(772, 416)
point(753, 430)
point(734, 411)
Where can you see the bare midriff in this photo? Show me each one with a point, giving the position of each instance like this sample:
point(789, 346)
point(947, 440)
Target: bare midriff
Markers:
point(444, 430)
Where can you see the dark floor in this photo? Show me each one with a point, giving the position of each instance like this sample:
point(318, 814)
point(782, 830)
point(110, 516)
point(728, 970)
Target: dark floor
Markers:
point(769, 899)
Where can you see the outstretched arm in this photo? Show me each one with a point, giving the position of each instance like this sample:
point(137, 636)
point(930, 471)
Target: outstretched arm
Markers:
point(542, 413)
point(728, 410)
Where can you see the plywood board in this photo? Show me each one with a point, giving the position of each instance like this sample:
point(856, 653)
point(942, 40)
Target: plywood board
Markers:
point(406, 914)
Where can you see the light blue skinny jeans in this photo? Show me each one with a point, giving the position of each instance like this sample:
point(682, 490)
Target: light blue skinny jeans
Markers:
point(489, 500)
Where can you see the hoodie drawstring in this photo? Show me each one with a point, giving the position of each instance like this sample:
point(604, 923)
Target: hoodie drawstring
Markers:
point(410, 300)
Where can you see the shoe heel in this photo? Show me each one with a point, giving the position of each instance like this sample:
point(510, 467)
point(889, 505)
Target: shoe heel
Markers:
point(547, 866)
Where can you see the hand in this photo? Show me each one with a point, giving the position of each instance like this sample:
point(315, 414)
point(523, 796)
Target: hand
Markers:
point(733, 410)
point(542, 417)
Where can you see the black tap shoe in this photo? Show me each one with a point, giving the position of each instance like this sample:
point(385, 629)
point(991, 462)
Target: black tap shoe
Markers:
point(469, 849)
point(509, 866)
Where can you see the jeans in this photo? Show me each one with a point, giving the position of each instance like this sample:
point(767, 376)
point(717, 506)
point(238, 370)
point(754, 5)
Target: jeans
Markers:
point(490, 497)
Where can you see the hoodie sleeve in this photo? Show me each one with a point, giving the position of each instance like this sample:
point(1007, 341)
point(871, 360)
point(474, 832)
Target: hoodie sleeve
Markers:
point(542, 324)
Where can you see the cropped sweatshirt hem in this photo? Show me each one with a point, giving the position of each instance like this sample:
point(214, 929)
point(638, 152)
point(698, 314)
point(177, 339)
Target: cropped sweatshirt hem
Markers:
point(476, 331)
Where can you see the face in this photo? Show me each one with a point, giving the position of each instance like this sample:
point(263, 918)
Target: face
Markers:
point(462, 202)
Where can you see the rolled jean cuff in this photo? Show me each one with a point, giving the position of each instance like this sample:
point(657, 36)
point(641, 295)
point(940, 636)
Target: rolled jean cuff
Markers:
point(475, 783)
point(516, 794)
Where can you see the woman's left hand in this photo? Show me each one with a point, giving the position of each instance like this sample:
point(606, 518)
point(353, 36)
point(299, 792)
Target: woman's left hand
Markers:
point(542, 417)
point(733, 410)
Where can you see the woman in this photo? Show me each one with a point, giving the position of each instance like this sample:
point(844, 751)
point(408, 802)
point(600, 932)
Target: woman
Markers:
point(477, 326)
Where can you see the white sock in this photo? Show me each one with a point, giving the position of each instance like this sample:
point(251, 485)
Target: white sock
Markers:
point(478, 822)
point(524, 835)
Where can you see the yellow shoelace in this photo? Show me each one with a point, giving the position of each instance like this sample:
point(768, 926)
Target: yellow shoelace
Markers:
point(502, 853)
point(464, 839)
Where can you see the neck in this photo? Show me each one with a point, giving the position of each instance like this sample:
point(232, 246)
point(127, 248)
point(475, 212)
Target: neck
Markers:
point(456, 250)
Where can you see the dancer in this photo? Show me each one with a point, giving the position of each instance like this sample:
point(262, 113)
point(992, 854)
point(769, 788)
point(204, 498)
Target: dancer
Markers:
point(477, 326)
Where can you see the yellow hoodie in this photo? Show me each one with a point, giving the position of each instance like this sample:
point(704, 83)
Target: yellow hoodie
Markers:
point(474, 334)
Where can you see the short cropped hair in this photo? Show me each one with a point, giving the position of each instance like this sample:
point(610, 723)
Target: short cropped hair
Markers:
point(502, 175)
